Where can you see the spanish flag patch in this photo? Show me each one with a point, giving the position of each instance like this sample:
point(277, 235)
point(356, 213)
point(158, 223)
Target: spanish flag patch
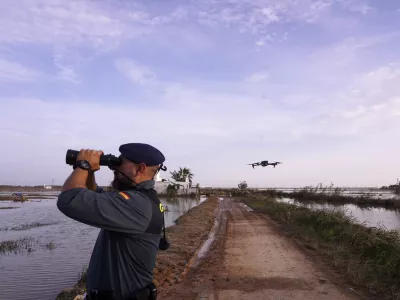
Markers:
point(124, 195)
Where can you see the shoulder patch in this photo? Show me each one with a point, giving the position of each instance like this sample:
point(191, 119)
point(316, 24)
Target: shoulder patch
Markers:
point(124, 195)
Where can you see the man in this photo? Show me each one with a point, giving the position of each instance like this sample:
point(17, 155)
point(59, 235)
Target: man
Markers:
point(131, 220)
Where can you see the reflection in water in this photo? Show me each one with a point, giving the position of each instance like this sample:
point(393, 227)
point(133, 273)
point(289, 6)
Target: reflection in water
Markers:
point(372, 217)
point(42, 274)
point(178, 207)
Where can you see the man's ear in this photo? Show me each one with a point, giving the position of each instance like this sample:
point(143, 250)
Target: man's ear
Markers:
point(142, 168)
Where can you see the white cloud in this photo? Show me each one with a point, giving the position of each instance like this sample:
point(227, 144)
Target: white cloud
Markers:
point(66, 70)
point(370, 107)
point(137, 73)
point(14, 72)
point(377, 85)
point(346, 52)
point(265, 39)
point(260, 42)
point(358, 6)
point(256, 16)
point(67, 27)
point(271, 14)
point(257, 77)
point(146, 18)
point(102, 26)
point(55, 21)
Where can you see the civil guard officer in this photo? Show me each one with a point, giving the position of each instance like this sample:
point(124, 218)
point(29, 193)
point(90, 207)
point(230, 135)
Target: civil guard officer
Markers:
point(131, 221)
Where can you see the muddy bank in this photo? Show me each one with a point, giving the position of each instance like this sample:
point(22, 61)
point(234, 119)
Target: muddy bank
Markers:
point(186, 237)
point(208, 268)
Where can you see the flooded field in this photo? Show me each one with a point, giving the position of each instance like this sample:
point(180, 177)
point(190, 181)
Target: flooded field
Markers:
point(372, 217)
point(57, 248)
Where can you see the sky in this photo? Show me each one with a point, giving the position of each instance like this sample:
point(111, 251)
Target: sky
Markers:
point(215, 85)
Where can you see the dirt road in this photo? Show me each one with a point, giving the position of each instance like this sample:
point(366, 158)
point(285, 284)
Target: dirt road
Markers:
point(251, 260)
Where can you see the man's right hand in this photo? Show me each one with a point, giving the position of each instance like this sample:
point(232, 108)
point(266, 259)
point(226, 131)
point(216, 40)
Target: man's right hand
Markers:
point(92, 156)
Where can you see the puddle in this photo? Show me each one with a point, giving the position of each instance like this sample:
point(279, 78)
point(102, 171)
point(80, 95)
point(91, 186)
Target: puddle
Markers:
point(245, 207)
point(205, 248)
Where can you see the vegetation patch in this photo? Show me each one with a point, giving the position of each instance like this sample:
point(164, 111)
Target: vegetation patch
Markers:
point(28, 226)
point(369, 257)
point(50, 245)
point(23, 245)
point(17, 246)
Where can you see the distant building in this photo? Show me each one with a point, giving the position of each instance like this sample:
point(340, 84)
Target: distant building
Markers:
point(47, 187)
point(158, 177)
point(183, 187)
point(160, 185)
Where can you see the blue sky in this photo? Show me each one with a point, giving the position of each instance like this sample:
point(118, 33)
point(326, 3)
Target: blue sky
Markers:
point(213, 84)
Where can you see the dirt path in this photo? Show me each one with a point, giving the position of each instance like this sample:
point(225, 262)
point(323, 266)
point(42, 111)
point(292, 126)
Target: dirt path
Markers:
point(251, 260)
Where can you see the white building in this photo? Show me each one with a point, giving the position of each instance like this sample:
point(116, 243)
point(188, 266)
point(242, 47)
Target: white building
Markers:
point(160, 186)
point(158, 177)
point(183, 186)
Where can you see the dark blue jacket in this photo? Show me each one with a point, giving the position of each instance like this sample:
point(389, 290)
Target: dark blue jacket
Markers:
point(125, 252)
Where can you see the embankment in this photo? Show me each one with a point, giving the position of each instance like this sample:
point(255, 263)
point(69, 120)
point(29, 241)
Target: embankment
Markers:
point(368, 257)
point(186, 237)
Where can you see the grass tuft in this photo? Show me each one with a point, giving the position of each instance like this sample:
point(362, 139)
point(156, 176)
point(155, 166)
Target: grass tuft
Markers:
point(50, 245)
point(17, 246)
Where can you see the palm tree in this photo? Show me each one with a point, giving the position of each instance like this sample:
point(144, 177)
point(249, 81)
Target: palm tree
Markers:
point(181, 175)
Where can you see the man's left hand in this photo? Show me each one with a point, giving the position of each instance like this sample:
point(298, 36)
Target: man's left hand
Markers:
point(92, 156)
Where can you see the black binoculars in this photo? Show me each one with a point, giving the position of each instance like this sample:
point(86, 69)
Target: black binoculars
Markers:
point(108, 160)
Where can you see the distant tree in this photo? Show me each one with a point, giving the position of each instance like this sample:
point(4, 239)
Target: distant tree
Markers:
point(181, 175)
point(243, 185)
point(171, 191)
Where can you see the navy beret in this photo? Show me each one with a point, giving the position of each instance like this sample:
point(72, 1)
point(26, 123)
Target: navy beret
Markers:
point(142, 153)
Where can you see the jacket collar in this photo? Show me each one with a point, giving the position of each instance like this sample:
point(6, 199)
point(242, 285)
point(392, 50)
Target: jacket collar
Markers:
point(147, 185)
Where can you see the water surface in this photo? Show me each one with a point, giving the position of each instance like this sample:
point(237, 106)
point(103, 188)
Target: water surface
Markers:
point(372, 217)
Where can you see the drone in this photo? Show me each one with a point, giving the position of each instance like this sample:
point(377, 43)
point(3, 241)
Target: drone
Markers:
point(265, 163)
